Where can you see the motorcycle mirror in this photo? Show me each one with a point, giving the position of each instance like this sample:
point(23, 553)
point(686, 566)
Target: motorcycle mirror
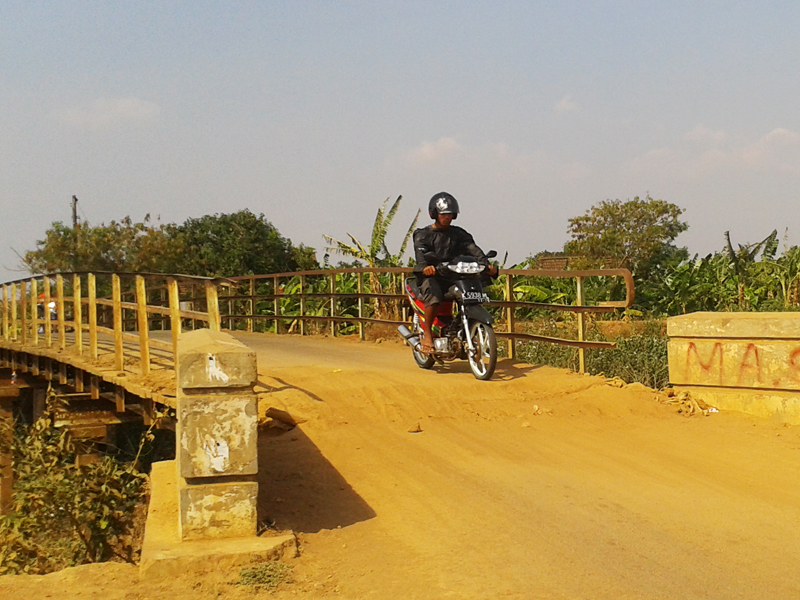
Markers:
point(491, 254)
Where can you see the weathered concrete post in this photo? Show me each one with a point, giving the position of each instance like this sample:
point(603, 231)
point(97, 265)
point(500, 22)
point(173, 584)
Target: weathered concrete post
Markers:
point(746, 362)
point(217, 450)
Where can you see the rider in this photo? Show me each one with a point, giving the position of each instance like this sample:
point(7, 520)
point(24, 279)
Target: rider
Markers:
point(435, 245)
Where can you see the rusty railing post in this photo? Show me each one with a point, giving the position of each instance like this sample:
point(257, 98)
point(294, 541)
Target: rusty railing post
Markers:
point(360, 305)
point(333, 304)
point(302, 304)
point(276, 304)
point(581, 328)
point(144, 333)
point(510, 315)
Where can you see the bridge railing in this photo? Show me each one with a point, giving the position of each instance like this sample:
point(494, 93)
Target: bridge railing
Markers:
point(357, 297)
point(56, 311)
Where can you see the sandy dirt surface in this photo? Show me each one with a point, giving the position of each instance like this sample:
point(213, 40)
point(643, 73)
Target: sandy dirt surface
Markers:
point(403, 483)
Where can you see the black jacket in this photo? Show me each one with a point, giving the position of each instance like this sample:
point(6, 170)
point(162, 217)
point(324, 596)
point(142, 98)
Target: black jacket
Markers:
point(445, 245)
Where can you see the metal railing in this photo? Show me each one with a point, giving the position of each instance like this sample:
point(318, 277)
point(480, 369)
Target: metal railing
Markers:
point(59, 320)
point(254, 305)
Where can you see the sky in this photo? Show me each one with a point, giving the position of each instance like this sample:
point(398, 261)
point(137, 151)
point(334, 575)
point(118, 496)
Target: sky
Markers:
point(313, 113)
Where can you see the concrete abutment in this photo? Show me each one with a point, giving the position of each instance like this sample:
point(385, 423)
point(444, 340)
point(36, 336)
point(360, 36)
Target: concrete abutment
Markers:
point(746, 362)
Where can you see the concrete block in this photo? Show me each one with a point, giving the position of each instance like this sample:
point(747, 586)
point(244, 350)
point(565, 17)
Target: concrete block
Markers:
point(217, 435)
point(747, 362)
point(213, 359)
point(784, 325)
point(218, 510)
point(750, 363)
point(780, 406)
point(165, 555)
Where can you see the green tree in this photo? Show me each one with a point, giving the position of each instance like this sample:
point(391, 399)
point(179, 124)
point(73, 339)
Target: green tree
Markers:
point(220, 245)
point(119, 246)
point(636, 234)
point(376, 254)
point(240, 243)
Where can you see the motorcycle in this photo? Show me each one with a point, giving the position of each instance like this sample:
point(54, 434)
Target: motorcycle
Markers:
point(462, 328)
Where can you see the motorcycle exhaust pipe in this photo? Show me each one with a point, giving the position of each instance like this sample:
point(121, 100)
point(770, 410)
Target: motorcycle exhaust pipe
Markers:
point(408, 336)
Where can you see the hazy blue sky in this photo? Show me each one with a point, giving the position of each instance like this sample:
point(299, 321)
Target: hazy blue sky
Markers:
point(314, 112)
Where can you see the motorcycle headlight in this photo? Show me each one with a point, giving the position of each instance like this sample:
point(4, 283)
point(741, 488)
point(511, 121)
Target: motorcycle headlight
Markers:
point(466, 268)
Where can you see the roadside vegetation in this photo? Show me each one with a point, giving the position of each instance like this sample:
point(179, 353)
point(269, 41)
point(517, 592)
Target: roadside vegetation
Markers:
point(64, 514)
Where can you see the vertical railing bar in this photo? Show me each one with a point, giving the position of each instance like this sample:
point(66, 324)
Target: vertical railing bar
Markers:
point(14, 311)
point(510, 314)
point(92, 284)
point(360, 305)
point(174, 315)
point(23, 310)
point(302, 304)
point(48, 330)
point(252, 304)
point(77, 311)
point(333, 304)
point(212, 302)
point(276, 304)
point(116, 298)
point(34, 312)
point(581, 328)
point(62, 337)
point(5, 311)
point(141, 315)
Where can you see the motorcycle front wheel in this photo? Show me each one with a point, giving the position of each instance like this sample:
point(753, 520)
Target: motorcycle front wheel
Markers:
point(484, 359)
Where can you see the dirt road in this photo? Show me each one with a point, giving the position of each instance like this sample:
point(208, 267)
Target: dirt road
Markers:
point(607, 494)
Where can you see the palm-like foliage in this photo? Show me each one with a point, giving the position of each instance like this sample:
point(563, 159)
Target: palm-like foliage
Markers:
point(376, 254)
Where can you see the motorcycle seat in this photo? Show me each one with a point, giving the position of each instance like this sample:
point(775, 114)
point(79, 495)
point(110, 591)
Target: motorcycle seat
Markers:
point(411, 282)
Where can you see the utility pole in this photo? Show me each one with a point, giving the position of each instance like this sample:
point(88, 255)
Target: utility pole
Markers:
point(74, 212)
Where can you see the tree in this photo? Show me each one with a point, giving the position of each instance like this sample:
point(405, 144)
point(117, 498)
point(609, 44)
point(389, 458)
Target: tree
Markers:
point(636, 234)
point(240, 243)
point(119, 246)
point(377, 247)
point(221, 245)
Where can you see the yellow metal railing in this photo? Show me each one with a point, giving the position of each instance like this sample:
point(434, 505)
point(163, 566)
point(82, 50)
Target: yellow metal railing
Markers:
point(44, 319)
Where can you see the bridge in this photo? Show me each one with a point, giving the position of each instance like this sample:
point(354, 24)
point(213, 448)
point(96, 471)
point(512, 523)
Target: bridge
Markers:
point(410, 483)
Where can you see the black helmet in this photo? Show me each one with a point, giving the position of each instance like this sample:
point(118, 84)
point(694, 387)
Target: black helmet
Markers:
point(443, 204)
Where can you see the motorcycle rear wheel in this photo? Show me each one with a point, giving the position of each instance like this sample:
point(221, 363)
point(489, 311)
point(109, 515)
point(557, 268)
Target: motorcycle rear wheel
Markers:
point(484, 360)
point(424, 361)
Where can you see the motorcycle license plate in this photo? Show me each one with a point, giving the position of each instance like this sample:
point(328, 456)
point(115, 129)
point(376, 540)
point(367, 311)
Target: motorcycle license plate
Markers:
point(479, 296)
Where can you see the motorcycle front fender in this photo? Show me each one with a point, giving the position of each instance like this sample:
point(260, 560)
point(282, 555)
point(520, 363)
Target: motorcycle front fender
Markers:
point(475, 312)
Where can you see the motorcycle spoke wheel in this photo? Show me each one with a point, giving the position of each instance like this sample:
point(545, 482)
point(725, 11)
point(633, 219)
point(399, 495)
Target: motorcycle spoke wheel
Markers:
point(424, 361)
point(483, 359)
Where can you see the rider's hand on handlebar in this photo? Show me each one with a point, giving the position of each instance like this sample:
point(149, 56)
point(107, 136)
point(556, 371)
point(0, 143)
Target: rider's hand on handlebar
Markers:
point(429, 270)
point(493, 270)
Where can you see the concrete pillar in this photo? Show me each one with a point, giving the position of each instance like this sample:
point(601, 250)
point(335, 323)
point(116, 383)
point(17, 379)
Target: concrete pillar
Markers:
point(747, 362)
point(216, 436)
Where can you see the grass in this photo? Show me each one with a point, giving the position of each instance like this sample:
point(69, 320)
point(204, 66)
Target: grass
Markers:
point(267, 576)
point(640, 357)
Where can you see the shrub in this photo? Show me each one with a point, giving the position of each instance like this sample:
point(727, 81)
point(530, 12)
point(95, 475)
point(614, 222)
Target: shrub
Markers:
point(63, 514)
point(642, 357)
